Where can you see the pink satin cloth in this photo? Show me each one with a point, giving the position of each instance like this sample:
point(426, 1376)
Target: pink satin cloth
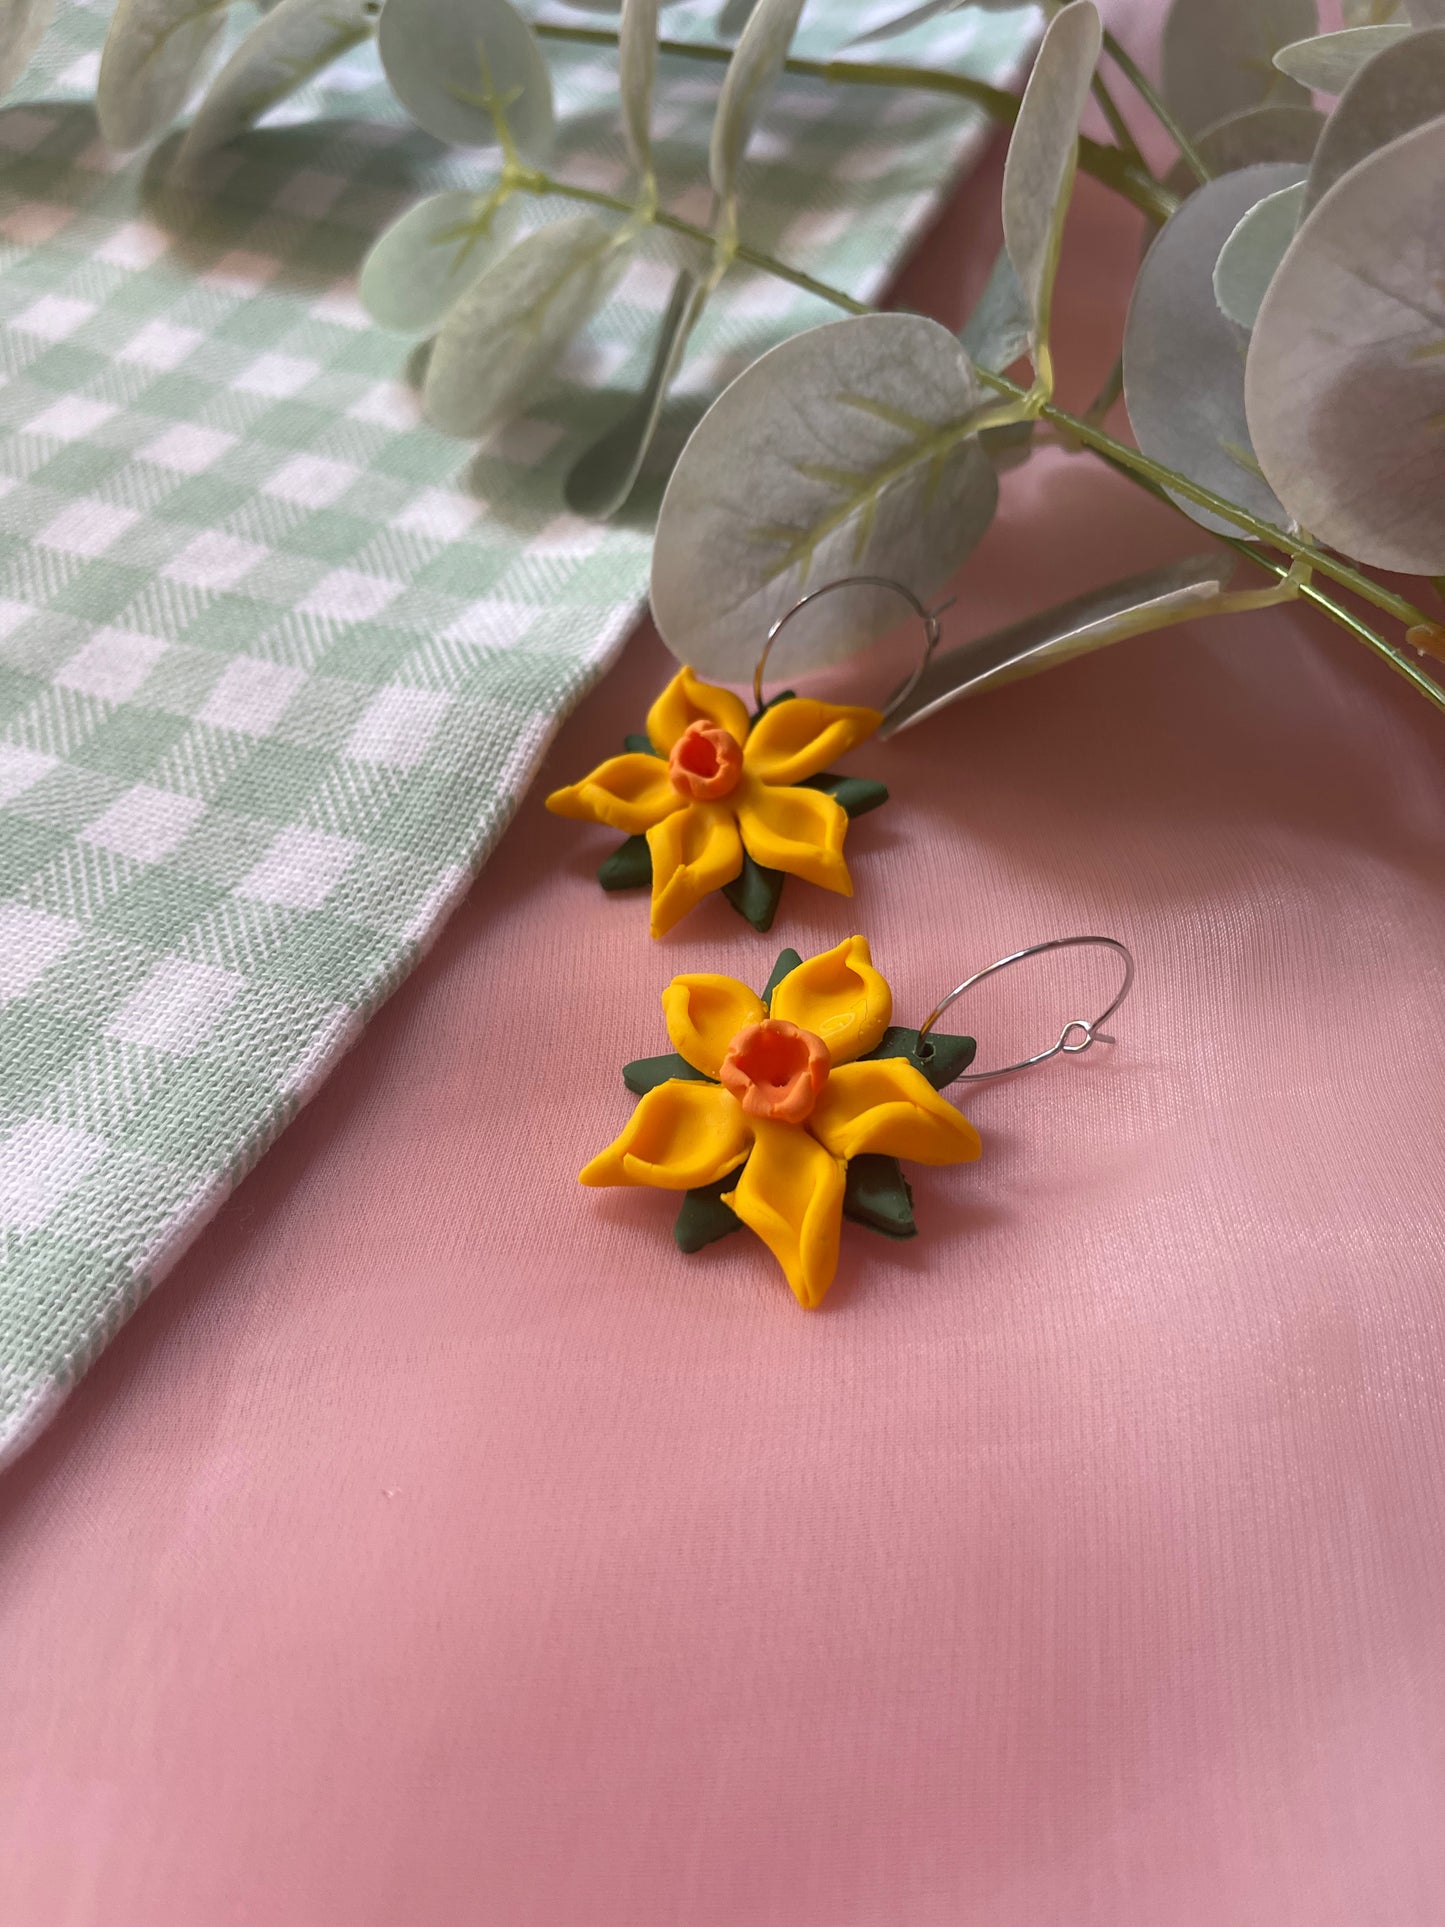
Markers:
point(440, 1545)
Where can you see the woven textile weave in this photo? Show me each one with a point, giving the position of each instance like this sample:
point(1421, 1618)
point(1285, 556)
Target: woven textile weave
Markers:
point(276, 660)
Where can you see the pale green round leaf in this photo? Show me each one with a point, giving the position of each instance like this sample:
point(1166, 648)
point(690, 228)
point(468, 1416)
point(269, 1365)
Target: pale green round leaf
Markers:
point(1240, 140)
point(1254, 250)
point(997, 332)
point(1260, 134)
point(1038, 175)
point(1402, 87)
point(446, 59)
point(751, 75)
point(502, 338)
point(1184, 360)
point(1345, 383)
point(1328, 62)
point(844, 451)
point(286, 48)
point(1050, 637)
point(428, 259)
point(22, 28)
point(154, 54)
point(1369, 13)
point(1215, 56)
point(603, 478)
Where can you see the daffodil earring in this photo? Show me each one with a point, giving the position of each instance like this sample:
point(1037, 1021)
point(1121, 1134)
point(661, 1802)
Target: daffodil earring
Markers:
point(789, 1111)
point(715, 798)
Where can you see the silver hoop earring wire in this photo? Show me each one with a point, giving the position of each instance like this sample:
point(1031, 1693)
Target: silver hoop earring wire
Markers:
point(1076, 1036)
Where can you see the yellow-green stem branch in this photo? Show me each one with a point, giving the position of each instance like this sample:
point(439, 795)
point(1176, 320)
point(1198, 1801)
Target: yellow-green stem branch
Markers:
point(1111, 165)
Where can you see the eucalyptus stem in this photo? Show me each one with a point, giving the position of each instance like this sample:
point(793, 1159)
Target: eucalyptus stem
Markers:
point(1076, 428)
point(526, 180)
point(1113, 166)
point(1144, 87)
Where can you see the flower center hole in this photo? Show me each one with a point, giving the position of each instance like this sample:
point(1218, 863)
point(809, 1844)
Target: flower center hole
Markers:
point(772, 1057)
point(698, 755)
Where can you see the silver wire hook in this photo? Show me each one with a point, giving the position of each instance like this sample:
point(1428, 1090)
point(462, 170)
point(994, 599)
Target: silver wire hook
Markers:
point(1090, 1031)
point(928, 617)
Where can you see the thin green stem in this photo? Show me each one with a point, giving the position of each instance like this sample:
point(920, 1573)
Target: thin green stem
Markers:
point(1115, 168)
point(529, 181)
point(1148, 93)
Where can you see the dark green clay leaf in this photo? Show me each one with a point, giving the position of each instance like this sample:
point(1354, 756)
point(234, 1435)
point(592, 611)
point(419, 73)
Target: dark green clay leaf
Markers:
point(703, 1217)
point(641, 746)
point(644, 1074)
point(941, 1059)
point(788, 960)
point(754, 893)
point(628, 868)
point(857, 794)
point(877, 1194)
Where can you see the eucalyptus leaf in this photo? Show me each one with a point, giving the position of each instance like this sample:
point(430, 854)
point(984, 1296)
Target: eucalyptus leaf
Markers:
point(734, 17)
point(446, 59)
point(427, 260)
point(1345, 383)
point(22, 28)
point(1328, 62)
point(997, 332)
point(1074, 628)
point(750, 77)
point(636, 75)
point(843, 451)
point(153, 55)
point(1184, 360)
point(1038, 175)
point(1257, 134)
point(1216, 54)
point(1248, 259)
point(286, 48)
point(1402, 87)
point(505, 333)
point(603, 478)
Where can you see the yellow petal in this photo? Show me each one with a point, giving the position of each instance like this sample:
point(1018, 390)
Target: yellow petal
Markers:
point(681, 1134)
point(800, 737)
point(630, 793)
point(694, 851)
point(791, 1194)
point(840, 997)
point(886, 1105)
point(686, 701)
point(704, 1014)
point(800, 831)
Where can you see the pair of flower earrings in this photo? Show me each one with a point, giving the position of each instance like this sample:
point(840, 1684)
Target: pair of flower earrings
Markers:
point(789, 1109)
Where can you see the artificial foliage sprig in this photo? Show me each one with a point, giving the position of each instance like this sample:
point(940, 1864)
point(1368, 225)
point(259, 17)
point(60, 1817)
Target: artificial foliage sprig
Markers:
point(1283, 365)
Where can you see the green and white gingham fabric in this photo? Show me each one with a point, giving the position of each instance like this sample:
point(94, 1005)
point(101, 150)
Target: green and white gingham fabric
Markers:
point(276, 660)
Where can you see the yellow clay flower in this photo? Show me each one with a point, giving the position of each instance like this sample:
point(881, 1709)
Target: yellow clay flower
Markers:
point(722, 785)
point(790, 1106)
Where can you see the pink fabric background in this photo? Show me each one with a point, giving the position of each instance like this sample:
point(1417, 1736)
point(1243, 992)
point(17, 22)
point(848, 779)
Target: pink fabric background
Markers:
point(440, 1546)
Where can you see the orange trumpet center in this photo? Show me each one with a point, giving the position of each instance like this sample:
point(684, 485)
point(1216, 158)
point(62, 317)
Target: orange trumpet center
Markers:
point(705, 763)
point(775, 1070)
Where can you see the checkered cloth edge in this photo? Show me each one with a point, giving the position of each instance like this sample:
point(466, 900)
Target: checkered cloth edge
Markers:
point(276, 660)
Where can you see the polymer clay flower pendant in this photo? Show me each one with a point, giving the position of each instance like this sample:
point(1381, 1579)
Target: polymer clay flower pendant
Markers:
point(789, 1111)
point(712, 798)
